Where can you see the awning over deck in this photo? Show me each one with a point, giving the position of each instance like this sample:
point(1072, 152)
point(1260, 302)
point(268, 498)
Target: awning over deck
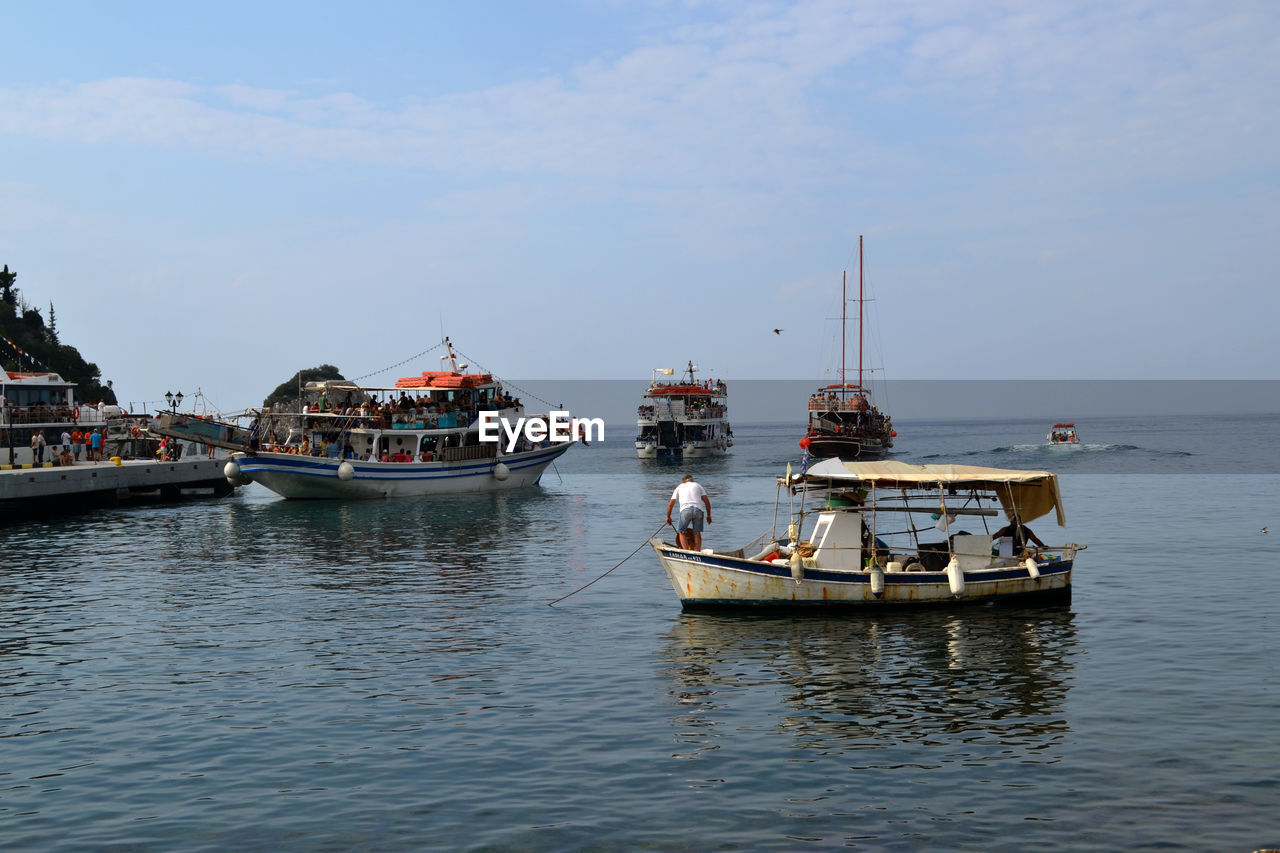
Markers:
point(1031, 494)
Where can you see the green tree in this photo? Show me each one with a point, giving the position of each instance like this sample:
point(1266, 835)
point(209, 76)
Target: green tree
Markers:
point(34, 346)
point(9, 296)
point(286, 394)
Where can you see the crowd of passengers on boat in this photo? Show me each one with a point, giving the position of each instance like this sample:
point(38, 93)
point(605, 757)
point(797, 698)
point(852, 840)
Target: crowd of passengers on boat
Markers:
point(699, 409)
point(369, 413)
point(832, 402)
point(867, 415)
point(332, 420)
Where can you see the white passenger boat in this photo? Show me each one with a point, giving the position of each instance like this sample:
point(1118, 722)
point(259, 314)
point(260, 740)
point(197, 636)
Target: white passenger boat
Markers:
point(683, 419)
point(420, 437)
point(865, 543)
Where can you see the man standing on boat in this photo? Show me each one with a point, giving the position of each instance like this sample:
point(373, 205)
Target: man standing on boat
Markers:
point(689, 529)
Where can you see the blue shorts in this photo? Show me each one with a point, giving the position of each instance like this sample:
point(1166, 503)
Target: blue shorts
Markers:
point(690, 520)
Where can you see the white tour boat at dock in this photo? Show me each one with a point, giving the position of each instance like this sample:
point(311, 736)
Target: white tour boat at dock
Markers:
point(43, 402)
point(866, 545)
point(684, 418)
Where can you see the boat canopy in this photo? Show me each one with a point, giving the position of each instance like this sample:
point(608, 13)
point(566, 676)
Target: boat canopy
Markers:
point(331, 385)
point(1031, 494)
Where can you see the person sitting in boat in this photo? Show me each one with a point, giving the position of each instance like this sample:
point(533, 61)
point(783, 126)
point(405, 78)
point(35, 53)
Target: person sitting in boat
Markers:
point(1019, 533)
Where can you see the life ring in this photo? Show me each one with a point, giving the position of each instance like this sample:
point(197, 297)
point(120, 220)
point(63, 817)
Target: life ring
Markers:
point(75, 413)
point(135, 432)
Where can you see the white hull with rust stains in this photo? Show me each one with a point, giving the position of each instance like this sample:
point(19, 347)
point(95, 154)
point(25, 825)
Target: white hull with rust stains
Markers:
point(706, 580)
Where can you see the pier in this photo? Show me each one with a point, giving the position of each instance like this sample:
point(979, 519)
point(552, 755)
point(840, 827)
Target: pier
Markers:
point(27, 490)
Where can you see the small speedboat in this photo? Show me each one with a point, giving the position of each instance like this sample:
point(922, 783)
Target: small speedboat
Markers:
point(1063, 434)
point(888, 534)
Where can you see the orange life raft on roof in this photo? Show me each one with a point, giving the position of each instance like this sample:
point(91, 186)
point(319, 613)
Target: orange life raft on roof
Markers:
point(445, 379)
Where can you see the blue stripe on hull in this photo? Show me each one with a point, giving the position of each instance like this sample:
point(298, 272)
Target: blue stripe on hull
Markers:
point(328, 468)
point(1060, 595)
point(310, 478)
point(782, 570)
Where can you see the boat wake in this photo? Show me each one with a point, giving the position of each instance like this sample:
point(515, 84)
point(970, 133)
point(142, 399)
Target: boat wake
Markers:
point(1074, 447)
point(1051, 451)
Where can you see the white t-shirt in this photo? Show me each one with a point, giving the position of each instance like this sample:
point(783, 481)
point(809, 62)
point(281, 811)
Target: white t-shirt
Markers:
point(689, 494)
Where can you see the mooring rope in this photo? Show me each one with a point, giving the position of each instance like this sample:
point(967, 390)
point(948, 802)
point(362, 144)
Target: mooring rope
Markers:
point(620, 562)
point(398, 364)
point(507, 383)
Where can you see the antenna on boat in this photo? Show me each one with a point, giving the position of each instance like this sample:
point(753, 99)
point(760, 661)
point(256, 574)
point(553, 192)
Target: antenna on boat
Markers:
point(451, 355)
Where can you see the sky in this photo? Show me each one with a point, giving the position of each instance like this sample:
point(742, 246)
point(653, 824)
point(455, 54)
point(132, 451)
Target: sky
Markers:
point(213, 196)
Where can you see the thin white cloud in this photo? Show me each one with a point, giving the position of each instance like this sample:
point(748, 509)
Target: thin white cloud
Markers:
point(714, 101)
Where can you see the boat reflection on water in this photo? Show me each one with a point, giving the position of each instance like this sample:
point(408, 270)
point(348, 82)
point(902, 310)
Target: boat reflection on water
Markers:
point(464, 546)
point(993, 680)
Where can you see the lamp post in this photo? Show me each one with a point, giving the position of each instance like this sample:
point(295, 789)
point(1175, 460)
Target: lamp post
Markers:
point(175, 400)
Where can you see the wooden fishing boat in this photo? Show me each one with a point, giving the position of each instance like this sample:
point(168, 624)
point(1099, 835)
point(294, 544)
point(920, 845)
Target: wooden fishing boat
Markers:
point(888, 534)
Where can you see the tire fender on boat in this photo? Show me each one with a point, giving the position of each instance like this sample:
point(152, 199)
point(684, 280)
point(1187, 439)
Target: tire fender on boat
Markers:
point(233, 473)
point(955, 576)
point(797, 567)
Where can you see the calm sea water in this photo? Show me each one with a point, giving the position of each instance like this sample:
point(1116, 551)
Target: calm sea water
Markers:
point(255, 674)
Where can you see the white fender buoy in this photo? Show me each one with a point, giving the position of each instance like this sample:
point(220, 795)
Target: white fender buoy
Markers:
point(1032, 568)
point(797, 567)
point(346, 471)
point(955, 576)
point(877, 581)
point(501, 472)
point(233, 473)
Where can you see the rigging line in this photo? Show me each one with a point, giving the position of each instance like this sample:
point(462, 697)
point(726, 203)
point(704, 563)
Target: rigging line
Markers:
point(397, 364)
point(505, 382)
point(623, 560)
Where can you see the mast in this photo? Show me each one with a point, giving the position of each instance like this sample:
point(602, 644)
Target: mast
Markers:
point(859, 313)
point(844, 304)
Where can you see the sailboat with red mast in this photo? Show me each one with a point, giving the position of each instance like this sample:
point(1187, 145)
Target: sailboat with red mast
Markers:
point(843, 421)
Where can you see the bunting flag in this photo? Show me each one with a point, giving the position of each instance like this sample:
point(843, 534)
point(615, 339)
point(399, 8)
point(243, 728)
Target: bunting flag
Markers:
point(24, 354)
